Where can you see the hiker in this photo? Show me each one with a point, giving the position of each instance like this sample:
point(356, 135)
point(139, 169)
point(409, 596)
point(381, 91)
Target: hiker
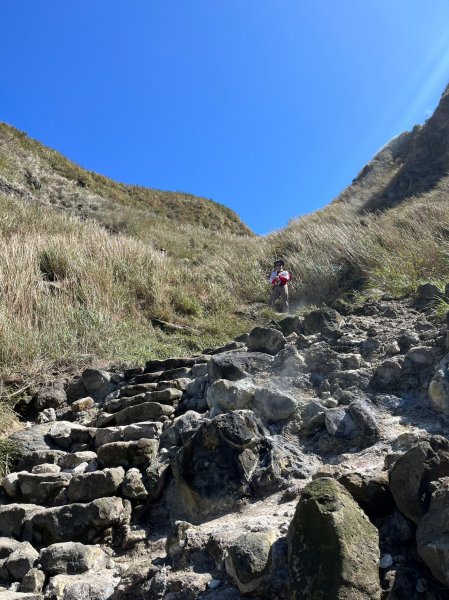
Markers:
point(279, 279)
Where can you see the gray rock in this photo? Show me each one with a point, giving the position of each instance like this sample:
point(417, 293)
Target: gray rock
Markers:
point(148, 429)
point(49, 397)
point(10, 484)
point(107, 435)
point(365, 419)
point(223, 395)
point(439, 391)
point(97, 383)
point(316, 320)
point(168, 396)
point(32, 439)
point(99, 484)
point(148, 411)
point(13, 518)
point(83, 586)
point(72, 460)
point(133, 486)
point(42, 488)
point(82, 404)
point(432, 535)
point(413, 473)
point(388, 373)
point(76, 390)
point(76, 522)
point(33, 581)
point(288, 362)
point(39, 457)
point(128, 454)
point(428, 292)
point(7, 545)
point(237, 365)
point(291, 324)
point(369, 347)
point(266, 339)
point(46, 416)
point(21, 560)
point(420, 355)
point(182, 429)
point(339, 423)
point(64, 434)
point(249, 560)
point(273, 406)
point(46, 468)
point(332, 546)
point(71, 558)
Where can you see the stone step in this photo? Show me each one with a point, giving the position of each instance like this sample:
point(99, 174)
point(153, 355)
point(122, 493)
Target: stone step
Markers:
point(157, 376)
point(137, 454)
point(146, 411)
point(169, 364)
point(168, 396)
point(128, 433)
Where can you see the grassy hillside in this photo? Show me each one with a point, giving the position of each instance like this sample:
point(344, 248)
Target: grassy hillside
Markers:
point(79, 290)
point(33, 172)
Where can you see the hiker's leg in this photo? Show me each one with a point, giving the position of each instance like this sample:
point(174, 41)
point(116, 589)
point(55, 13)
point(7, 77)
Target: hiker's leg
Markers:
point(274, 296)
point(284, 298)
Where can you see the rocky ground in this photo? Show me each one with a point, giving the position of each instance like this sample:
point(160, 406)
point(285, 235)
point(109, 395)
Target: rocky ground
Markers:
point(307, 459)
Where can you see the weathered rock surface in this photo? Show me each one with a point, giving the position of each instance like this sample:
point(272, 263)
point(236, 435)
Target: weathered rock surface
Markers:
point(332, 546)
point(71, 558)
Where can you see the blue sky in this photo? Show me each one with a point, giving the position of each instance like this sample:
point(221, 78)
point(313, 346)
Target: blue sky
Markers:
point(268, 106)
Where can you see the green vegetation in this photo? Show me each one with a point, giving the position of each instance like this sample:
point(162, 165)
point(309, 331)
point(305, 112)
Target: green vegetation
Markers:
point(82, 274)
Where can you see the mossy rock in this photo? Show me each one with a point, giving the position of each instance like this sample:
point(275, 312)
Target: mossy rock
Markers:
point(333, 549)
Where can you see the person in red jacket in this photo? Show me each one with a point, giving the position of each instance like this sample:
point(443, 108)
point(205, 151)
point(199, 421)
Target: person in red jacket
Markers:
point(279, 279)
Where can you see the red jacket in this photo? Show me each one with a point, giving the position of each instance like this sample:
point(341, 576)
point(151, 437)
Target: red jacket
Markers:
point(284, 277)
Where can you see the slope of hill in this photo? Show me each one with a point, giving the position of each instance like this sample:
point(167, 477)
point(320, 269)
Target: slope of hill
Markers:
point(31, 171)
point(77, 289)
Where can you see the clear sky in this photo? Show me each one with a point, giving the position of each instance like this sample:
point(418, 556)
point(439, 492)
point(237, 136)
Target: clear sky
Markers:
point(268, 106)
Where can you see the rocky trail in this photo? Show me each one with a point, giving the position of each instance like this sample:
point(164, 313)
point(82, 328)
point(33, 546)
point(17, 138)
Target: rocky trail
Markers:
point(307, 459)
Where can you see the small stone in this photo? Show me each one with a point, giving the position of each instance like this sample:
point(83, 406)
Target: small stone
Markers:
point(393, 348)
point(82, 404)
point(214, 584)
point(386, 560)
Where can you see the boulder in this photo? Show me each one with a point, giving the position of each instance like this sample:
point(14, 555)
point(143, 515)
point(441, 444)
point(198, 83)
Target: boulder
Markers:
point(316, 320)
point(414, 471)
point(76, 390)
point(21, 560)
point(76, 522)
point(97, 383)
point(388, 373)
point(217, 466)
point(237, 365)
point(432, 536)
point(339, 423)
point(82, 404)
point(427, 293)
point(50, 397)
point(7, 545)
point(266, 339)
point(72, 460)
point(224, 395)
point(332, 546)
point(248, 560)
point(370, 491)
point(133, 486)
point(168, 396)
point(46, 468)
point(42, 488)
point(147, 429)
point(291, 324)
point(65, 434)
point(33, 581)
point(182, 429)
point(288, 362)
point(32, 439)
point(39, 457)
point(365, 419)
point(83, 586)
point(147, 411)
point(14, 518)
point(71, 558)
point(273, 406)
point(439, 388)
point(421, 356)
point(128, 454)
point(98, 484)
